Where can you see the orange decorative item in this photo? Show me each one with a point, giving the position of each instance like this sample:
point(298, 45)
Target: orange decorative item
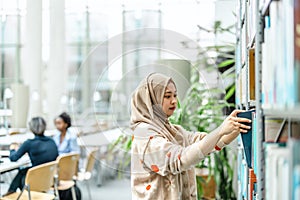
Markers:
point(154, 168)
point(148, 187)
point(217, 148)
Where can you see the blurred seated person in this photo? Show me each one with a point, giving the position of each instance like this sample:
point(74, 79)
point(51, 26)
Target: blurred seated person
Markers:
point(65, 140)
point(41, 149)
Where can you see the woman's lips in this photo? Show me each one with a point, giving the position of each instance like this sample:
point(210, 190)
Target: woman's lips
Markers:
point(172, 108)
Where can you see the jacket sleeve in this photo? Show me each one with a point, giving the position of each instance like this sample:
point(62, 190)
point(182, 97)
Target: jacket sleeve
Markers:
point(74, 147)
point(161, 156)
point(197, 136)
point(157, 154)
point(16, 155)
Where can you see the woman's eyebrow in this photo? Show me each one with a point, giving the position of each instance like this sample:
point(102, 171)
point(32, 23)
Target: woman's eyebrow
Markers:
point(168, 92)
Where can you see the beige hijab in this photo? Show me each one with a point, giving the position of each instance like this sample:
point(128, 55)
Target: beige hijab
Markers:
point(146, 106)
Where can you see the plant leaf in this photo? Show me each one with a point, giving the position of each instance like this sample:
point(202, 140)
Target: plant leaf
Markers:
point(226, 63)
point(230, 92)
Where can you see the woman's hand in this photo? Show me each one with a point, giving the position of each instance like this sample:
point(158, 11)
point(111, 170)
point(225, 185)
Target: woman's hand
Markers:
point(232, 126)
point(14, 146)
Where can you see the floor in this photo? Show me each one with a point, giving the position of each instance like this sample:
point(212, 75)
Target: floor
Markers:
point(111, 189)
point(115, 189)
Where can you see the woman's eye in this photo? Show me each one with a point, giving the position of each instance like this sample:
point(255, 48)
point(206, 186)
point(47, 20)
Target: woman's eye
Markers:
point(167, 97)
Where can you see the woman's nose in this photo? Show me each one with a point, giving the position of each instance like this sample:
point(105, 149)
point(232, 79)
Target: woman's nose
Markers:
point(174, 100)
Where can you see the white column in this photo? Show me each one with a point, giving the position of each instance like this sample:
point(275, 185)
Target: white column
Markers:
point(33, 56)
point(57, 74)
point(85, 70)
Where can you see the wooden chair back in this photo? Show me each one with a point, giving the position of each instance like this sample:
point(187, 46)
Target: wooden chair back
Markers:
point(41, 177)
point(67, 166)
point(91, 160)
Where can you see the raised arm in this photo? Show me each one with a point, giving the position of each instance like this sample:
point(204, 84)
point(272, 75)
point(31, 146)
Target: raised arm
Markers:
point(16, 155)
point(157, 154)
point(230, 129)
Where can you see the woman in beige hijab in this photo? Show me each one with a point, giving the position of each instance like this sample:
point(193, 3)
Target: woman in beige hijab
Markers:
point(163, 154)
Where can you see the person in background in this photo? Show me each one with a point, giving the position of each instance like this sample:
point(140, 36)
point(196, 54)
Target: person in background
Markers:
point(41, 149)
point(65, 140)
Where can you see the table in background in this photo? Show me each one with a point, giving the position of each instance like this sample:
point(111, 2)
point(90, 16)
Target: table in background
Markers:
point(6, 165)
point(6, 140)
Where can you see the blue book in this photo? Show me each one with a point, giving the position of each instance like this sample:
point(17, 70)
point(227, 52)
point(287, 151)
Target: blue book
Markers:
point(294, 145)
point(247, 137)
point(254, 145)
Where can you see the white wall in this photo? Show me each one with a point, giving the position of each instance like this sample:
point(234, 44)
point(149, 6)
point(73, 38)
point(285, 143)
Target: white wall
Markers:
point(224, 10)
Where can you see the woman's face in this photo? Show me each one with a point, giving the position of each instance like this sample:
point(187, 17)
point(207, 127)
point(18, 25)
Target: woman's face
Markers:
point(60, 124)
point(170, 99)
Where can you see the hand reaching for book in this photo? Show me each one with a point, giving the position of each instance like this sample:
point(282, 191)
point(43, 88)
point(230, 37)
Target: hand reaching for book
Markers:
point(233, 126)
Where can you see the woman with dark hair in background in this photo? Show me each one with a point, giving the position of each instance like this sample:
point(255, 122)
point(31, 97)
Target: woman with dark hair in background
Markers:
point(65, 140)
point(41, 149)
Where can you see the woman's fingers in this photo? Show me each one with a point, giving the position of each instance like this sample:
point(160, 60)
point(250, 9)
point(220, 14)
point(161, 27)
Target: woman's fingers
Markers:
point(242, 128)
point(235, 112)
point(239, 119)
point(243, 131)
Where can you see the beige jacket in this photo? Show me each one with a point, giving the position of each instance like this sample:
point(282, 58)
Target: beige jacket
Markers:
point(161, 169)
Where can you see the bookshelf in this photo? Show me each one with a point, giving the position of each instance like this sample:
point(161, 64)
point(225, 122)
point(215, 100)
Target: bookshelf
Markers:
point(268, 80)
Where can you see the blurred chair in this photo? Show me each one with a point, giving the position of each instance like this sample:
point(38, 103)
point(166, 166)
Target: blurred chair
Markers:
point(67, 172)
point(86, 173)
point(39, 179)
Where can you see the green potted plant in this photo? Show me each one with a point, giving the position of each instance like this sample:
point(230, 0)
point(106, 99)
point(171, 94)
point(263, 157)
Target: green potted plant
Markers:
point(203, 109)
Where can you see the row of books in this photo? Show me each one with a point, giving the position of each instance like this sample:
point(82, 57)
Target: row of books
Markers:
point(281, 157)
point(280, 56)
point(280, 88)
point(283, 170)
point(280, 71)
point(245, 89)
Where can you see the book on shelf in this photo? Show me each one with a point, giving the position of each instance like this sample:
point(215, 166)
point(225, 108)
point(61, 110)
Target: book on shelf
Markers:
point(240, 179)
point(277, 171)
point(276, 130)
point(254, 143)
point(251, 20)
point(294, 147)
point(247, 137)
point(251, 184)
point(296, 46)
point(280, 55)
point(251, 78)
point(243, 86)
point(244, 42)
point(243, 172)
point(266, 69)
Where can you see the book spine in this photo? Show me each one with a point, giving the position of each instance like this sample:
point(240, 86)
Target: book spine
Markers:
point(251, 67)
point(296, 183)
point(297, 49)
